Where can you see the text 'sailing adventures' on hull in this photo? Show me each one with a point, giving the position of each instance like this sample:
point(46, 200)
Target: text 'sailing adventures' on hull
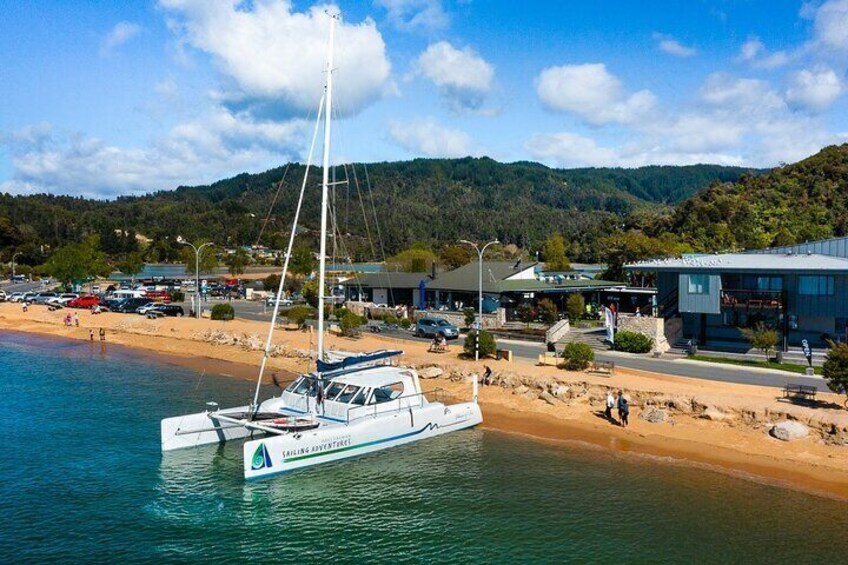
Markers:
point(353, 406)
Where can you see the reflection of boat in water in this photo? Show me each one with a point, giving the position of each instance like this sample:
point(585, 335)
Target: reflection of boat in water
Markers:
point(348, 407)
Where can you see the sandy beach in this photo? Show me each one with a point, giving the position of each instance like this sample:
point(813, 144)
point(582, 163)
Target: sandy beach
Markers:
point(719, 425)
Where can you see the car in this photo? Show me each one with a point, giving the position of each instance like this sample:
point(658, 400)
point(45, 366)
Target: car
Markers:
point(28, 297)
point(128, 305)
point(16, 297)
point(163, 310)
point(18, 279)
point(284, 302)
point(147, 307)
point(2, 296)
point(63, 299)
point(87, 301)
point(432, 327)
point(44, 297)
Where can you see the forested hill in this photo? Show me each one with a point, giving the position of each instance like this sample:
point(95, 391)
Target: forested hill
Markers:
point(437, 201)
point(804, 201)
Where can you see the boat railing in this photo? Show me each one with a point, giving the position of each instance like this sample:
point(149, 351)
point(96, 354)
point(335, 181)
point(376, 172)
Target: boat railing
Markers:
point(397, 405)
point(442, 396)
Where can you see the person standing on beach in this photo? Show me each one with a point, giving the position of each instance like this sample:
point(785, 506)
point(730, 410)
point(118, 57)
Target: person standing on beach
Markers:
point(91, 334)
point(623, 409)
point(102, 334)
point(76, 319)
point(610, 404)
point(25, 305)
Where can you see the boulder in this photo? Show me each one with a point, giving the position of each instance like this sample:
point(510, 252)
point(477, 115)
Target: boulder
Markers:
point(714, 415)
point(549, 398)
point(559, 391)
point(520, 389)
point(653, 415)
point(681, 404)
point(531, 395)
point(789, 430)
point(430, 373)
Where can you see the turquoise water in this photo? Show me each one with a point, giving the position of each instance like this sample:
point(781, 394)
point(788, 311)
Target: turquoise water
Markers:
point(82, 480)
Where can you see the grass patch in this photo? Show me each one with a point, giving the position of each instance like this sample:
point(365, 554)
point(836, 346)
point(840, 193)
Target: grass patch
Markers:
point(788, 367)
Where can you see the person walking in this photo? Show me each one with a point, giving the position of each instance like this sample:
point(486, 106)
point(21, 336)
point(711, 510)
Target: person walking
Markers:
point(102, 334)
point(76, 319)
point(91, 335)
point(25, 306)
point(623, 409)
point(610, 405)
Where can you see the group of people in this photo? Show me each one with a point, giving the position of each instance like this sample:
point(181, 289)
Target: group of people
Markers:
point(72, 320)
point(623, 408)
point(439, 344)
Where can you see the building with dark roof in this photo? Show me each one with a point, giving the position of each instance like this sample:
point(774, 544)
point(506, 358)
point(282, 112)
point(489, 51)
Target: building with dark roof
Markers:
point(800, 290)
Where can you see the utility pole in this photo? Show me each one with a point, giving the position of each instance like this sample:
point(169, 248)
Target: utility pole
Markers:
point(13, 264)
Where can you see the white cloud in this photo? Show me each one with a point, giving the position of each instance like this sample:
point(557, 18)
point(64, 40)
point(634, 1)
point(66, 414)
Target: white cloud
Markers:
point(593, 93)
point(814, 90)
point(463, 77)
point(118, 36)
point(274, 57)
point(413, 15)
point(754, 52)
point(219, 145)
point(669, 45)
point(830, 25)
point(429, 138)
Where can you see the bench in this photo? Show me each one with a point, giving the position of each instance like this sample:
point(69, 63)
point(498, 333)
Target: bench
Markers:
point(604, 367)
point(805, 392)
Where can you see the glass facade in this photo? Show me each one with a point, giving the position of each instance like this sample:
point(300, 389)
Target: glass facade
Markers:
point(699, 284)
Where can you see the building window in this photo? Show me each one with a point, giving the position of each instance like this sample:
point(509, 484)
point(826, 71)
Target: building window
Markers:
point(815, 286)
point(699, 284)
point(769, 283)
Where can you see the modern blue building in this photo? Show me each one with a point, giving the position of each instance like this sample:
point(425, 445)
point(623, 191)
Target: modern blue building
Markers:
point(800, 290)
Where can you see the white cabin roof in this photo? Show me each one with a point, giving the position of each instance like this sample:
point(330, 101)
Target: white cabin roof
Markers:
point(375, 377)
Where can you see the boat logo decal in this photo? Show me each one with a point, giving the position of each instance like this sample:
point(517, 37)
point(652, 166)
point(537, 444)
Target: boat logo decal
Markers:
point(261, 458)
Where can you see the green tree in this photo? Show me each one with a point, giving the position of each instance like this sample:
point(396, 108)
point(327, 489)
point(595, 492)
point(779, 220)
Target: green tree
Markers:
point(412, 260)
point(577, 356)
point(299, 314)
point(349, 323)
point(763, 338)
point(835, 368)
point(470, 316)
point(575, 306)
point(455, 256)
point(310, 292)
point(548, 311)
point(236, 262)
point(271, 283)
point(79, 261)
point(525, 313)
point(132, 263)
point(208, 258)
point(554, 252)
point(488, 346)
point(302, 261)
point(620, 249)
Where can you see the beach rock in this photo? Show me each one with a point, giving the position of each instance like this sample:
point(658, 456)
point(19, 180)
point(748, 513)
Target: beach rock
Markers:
point(430, 373)
point(653, 415)
point(531, 395)
point(789, 430)
point(549, 398)
point(681, 404)
point(520, 389)
point(559, 391)
point(714, 415)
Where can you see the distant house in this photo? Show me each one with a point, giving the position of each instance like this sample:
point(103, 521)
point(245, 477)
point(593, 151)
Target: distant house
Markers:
point(799, 290)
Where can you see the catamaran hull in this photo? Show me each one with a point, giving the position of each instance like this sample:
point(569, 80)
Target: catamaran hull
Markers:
point(192, 430)
point(273, 455)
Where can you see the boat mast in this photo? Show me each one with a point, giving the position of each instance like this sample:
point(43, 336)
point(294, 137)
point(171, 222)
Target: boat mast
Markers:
point(328, 113)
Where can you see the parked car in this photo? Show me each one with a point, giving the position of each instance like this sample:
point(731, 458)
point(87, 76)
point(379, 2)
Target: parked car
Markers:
point(432, 327)
point(147, 307)
point(16, 297)
point(28, 297)
point(63, 299)
point(163, 310)
point(2, 296)
point(129, 305)
point(284, 302)
point(44, 297)
point(87, 301)
point(19, 279)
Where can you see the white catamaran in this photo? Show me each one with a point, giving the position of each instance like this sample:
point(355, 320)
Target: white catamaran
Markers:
point(347, 407)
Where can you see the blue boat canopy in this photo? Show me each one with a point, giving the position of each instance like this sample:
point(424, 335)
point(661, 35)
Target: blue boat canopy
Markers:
point(352, 361)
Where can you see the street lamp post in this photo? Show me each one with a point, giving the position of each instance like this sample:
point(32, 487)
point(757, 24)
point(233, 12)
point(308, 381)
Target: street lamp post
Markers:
point(197, 251)
point(13, 264)
point(480, 253)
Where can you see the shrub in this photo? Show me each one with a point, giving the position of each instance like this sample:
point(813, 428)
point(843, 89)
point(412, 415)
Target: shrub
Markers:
point(405, 322)
point(299, 314)
point(525, 313)
point(349, 323)
point(577, 356)
point(835, 368)
point(487, 344)
point(575, 306)
point(223, 312)
point(762, 338)
point(390, 319)
point(177, 296)
point(633, 342)
point(470, 317)
point(548, 311)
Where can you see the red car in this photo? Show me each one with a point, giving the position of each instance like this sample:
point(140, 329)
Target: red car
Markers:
point(84, 302)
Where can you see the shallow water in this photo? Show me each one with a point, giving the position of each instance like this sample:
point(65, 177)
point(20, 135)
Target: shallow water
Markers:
point(82, 479)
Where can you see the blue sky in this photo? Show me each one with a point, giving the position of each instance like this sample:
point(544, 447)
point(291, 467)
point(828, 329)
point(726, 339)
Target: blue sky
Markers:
point(103, 98)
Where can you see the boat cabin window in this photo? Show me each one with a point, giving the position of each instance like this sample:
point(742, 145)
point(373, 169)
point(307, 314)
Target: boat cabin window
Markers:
point(300, 386)
point(387, 393)
point(360, 397)
point(348, 393)
point(333, 390)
